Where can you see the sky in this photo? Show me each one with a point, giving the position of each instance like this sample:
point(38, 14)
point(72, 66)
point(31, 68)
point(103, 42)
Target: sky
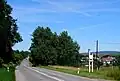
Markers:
point(85, 20)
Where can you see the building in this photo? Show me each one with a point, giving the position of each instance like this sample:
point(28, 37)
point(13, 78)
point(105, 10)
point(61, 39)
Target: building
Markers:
point(107, 59)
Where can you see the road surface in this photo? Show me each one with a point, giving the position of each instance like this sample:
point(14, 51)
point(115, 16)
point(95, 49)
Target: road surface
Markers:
point(26, 73)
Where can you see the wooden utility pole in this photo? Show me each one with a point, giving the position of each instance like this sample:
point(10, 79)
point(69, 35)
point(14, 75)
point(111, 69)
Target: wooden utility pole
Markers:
point(97, 55)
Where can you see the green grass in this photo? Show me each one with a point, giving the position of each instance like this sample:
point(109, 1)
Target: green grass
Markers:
point(101, 74)
point(6, 76)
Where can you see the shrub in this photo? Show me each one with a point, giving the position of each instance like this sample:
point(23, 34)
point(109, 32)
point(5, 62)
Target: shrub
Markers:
point(115, 74)
point(11, 66)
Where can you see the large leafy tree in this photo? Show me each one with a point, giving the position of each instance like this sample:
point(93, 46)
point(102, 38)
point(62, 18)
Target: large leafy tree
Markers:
point(68, 49)
point(8, 31)
point(41, 45)
point(49, 48)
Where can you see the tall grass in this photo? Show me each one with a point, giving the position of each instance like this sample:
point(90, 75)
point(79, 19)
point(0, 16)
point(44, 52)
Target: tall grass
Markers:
point(109, 73)
point(114, 73)
point(7, 76)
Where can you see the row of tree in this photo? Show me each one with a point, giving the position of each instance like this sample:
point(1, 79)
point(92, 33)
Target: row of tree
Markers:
point(18, 56)
point(49, 48)
point(9, 34)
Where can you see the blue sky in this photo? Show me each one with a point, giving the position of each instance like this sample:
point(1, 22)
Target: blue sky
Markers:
point(85, 20)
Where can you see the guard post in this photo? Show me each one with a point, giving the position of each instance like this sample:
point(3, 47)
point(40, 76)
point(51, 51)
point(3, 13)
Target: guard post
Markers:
point(78, 71)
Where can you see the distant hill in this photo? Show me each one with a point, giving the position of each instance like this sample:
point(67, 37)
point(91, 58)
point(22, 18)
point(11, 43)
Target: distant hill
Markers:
point(109, 52)
point(105, 53)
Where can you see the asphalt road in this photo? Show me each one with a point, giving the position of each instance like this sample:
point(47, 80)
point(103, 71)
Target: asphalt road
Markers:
point(26, 73)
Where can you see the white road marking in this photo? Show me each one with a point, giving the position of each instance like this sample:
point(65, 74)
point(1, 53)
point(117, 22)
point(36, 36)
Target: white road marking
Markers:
point(45, 74)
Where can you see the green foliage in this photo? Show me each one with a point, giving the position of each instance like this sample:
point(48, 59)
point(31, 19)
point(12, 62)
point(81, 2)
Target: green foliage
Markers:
point(8, 31)
point(18, 56)
point(116, 61)
point(7, 76)
point(23, 53)
point(97, 64)
point(115, 73)
point(48, 48)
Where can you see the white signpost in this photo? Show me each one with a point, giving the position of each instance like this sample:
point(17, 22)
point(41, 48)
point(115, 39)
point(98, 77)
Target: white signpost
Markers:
point(90, 60)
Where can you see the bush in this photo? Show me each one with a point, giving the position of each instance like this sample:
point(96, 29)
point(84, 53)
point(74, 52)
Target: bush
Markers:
point(107, 65)
point(11, 66)
point(115, 74)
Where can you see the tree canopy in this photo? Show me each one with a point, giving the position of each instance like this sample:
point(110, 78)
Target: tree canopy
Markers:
point(9, 34)
point(49, 48)
point(18, 56)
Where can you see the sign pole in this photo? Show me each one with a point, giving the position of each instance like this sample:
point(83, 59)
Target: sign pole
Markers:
point(89, 66)
point(90, 60)
point(92, 65)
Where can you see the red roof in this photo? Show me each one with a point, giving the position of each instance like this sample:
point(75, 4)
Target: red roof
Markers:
point(107, 59)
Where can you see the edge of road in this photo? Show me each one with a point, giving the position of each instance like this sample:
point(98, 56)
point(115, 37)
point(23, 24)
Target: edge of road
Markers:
point(55, 78)
point(19, 76)
point(36, 69)
point(92, 79)
point(68, 74)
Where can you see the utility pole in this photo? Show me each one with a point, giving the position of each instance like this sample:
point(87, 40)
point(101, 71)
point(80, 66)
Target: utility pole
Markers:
point(89, 60)
point(97, 55)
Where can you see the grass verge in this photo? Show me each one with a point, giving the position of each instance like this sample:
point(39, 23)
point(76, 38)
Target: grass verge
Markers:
point(6, 76)
point(101, 74)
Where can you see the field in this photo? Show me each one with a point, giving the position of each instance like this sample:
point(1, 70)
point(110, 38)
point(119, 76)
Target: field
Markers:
point(107, 73)
point(6, 76)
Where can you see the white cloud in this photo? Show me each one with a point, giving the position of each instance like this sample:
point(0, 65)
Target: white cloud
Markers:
point(59, 21)
point(28, 15)
point(75, 31)
point(103, 10)
point(101, 2)
point(64, 29)
point(92, 26)
point(39, 21)
point(32, 9)
point(57, 7)
point(84, 8)
point(68, 7)
point(65, 7)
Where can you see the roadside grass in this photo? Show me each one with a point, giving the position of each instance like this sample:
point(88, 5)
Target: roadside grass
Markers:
point(97, 74)
point(6, 76)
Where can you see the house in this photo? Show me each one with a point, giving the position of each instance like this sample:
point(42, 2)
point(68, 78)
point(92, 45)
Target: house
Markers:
point(107, 59)
point(104, 58)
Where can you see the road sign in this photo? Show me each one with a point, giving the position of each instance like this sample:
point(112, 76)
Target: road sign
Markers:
point(91, 56)
point(90, 60)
